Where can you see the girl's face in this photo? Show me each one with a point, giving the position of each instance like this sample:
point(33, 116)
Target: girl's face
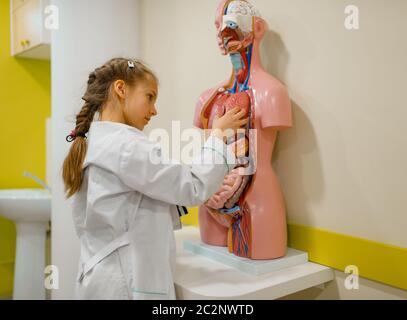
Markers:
point(139, 104)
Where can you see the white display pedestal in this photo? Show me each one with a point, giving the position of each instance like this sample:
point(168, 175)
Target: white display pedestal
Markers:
point(255, 267)
point(200, 277)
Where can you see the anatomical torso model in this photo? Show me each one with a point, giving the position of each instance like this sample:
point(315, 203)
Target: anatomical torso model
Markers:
point(247, 214)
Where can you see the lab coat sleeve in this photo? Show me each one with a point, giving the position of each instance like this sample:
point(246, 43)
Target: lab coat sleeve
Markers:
point(143, 168)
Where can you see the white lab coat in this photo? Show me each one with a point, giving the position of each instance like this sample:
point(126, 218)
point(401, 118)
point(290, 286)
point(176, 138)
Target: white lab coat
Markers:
point(125, 211)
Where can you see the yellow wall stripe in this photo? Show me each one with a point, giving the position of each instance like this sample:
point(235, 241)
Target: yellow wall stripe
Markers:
point(7, 254)
point(6, 279)
point(376, 261)
point(191, 218)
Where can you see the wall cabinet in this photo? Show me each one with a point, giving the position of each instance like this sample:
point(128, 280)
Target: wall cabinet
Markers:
point(29, 36)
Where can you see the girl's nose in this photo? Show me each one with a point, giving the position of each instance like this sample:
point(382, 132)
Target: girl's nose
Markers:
point(154, 111)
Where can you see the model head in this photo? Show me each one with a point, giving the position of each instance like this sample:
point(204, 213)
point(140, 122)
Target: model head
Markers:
point(238, 25)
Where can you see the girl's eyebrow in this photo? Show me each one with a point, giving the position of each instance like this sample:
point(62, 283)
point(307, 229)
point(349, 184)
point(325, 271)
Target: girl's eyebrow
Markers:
point(153, 91)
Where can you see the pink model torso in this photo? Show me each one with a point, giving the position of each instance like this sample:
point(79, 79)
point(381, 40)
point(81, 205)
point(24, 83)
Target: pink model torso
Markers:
point(259, 231)
point(247, 214)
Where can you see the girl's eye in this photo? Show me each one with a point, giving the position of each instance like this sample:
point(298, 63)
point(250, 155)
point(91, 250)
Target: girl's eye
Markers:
point(150, 97)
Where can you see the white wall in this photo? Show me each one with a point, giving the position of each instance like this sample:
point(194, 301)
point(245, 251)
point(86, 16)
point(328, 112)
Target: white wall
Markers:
point(343, 164)
point(90, 33)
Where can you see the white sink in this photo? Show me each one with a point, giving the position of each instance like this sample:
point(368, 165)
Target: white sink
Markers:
point(30, 209)
point(29, 205)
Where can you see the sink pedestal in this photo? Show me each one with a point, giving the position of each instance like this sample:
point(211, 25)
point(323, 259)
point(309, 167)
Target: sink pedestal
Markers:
point(30, 209)
point(30, 261)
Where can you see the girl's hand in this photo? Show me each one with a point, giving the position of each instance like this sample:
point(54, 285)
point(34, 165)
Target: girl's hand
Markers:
point(230, 121)
point(239, 147)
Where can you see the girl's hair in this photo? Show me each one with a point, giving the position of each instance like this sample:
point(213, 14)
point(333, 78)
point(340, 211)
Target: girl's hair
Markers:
point(97, 93)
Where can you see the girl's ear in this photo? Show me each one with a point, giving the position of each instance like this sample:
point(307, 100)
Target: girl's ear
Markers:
point(119, 88)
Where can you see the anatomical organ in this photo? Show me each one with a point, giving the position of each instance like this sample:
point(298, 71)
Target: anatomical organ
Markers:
point(227, 204)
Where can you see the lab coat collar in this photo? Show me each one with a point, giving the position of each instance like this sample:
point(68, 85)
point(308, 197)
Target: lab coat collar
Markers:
point(104, 140)
point(111, 126)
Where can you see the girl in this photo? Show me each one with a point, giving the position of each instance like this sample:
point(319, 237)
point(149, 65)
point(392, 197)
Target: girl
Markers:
point(126, 205)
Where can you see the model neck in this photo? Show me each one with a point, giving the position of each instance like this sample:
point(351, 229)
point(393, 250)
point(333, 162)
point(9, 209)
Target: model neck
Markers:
point(241, 62)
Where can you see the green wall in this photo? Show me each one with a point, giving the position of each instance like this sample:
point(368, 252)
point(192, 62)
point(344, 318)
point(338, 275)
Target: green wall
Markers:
point(25, 103)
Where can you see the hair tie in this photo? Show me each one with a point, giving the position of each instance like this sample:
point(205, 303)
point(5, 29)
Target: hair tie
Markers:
point(73, 135)
point(130, 64)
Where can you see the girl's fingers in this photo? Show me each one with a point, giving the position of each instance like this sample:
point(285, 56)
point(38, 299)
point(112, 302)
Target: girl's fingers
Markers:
point(242, 123)
point(234, 110)
point(241, 113)
point(238, 110)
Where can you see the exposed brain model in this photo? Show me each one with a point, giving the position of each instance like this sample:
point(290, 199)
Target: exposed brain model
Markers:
point(240, 13)
point(247, 213)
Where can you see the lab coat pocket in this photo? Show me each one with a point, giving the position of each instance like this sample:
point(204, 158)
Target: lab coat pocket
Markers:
point(104, 282)
point(152, 277)
point(151, 295)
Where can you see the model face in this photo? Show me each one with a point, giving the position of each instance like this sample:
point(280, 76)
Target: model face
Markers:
point(139, 105)
point(234, 25)
point(230, 37)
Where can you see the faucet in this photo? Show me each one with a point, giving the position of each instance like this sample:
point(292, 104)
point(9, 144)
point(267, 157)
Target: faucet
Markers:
point(36, 179)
